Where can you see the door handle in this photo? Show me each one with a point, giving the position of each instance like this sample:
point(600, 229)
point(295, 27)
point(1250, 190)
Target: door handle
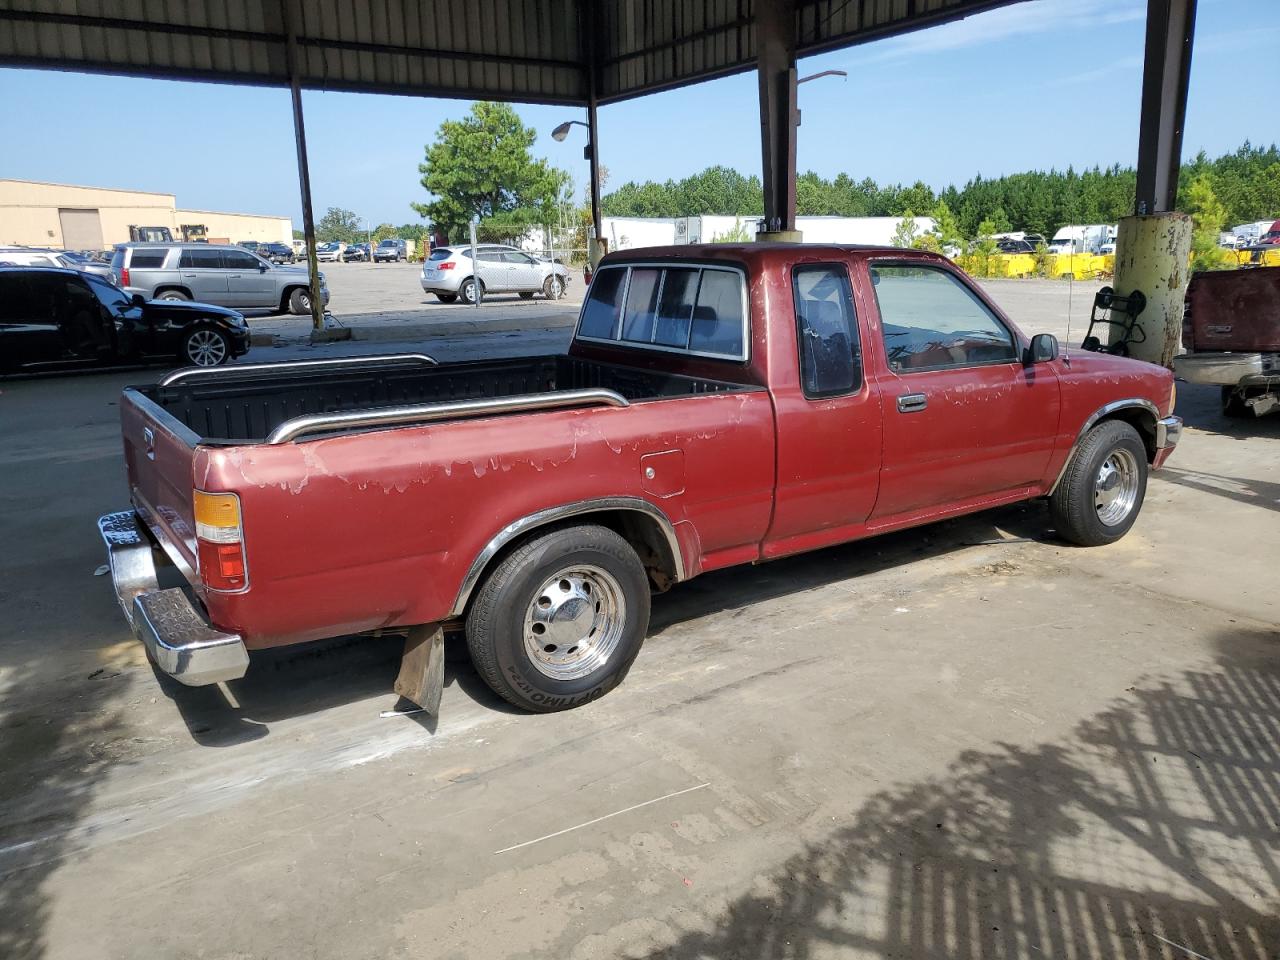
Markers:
point(912, 402)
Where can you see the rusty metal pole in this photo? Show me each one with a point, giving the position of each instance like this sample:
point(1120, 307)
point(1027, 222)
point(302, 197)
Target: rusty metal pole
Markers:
point(1153, 245)
point(779, 118)
point(304, 171)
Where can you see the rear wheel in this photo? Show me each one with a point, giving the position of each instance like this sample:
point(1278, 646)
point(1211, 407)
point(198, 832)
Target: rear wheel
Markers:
point(300, 301)
point(447, 297)
point(559, 622)
point(173, 295)
point(205, 347)
point(1099, 496)
point(471, 289)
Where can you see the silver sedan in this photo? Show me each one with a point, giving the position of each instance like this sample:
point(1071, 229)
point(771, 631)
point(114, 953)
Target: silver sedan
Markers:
point(449, 273)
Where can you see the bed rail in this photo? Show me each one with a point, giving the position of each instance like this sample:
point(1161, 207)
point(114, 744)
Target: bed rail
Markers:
point(285, 366)
point(432, 412)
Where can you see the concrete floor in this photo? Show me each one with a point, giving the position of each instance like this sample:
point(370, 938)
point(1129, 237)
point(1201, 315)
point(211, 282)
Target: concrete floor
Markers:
point(969, 741)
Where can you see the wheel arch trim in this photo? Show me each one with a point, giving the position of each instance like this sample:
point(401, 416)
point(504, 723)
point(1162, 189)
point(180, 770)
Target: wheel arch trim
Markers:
point(542, 518)
point(1102, 413)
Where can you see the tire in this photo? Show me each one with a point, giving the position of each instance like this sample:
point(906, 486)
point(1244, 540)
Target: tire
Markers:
point(526, 295)
point(300, 301)
point(1101, 492)
point(205, 347)
point(1233, 402)
point(173, 295)
point(522, 633)
point(468, 289)
point(447, 297)
point(553, 287)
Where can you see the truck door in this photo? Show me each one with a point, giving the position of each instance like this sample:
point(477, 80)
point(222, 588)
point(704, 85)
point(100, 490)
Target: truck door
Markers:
point(964, 418)
point(828, 418)
point(203, 275)
point(249, 280)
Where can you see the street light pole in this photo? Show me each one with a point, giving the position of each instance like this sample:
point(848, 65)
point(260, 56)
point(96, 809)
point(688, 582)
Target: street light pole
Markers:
point(592, 155)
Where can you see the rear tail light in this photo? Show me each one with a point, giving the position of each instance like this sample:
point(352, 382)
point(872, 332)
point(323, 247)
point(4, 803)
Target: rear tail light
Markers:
point(220, 541)
point(124, 276)
point(446, 265)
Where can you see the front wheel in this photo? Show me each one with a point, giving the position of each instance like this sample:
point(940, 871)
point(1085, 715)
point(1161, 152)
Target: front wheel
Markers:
point(1099, 496)
point(553, 288)
point(300, 301)
point(205, 347)
point(559, 622)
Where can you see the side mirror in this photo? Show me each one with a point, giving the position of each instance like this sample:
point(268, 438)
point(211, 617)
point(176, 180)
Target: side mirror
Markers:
point(263, 267)
point(1043, 348)
point(138, 300)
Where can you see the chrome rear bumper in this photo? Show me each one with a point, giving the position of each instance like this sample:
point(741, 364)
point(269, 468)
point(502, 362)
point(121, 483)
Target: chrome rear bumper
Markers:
point(176, 635)
point(1229, 369)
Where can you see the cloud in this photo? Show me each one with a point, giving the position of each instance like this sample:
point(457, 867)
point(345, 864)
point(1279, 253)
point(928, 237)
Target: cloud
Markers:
point(1021, 19)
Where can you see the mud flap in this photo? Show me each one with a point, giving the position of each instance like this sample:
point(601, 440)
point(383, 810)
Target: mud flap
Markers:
point(421, 678)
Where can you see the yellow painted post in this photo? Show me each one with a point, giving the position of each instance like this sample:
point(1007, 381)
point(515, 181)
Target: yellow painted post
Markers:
point(779, 236)
point(1152, 253)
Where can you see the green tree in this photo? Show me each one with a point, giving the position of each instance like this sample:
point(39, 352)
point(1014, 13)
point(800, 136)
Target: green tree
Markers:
point(338, 224)
point(946, 230)
point(983, 249)
point(738, 233)
point(481, 166)
point(1208, 216)
point(385, 231)
point(904, 235)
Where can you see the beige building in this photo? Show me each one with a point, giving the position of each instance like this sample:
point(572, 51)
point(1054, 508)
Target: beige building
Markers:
point(63, 216)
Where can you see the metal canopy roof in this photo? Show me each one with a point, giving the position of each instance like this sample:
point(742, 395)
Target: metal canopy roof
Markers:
point(519, 50)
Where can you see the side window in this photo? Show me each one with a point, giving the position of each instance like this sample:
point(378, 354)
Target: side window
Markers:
point(239, 260)
point(930, 320)
point(830, 358)
point(144, 259)
point(200, 260)
point(600, 312)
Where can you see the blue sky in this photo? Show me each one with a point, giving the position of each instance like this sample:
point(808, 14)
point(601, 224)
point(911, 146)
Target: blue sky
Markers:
point(1038, 84)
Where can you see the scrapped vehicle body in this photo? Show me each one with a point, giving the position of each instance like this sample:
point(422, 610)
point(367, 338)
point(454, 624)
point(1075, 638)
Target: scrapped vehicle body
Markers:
point(1231, 331)
point(718, 405)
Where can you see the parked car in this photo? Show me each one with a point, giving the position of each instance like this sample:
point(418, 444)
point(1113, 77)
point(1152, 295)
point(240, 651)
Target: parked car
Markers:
point(448, 273)
point(210, 273)
point(330, 252)
point(1231, 332)
point(276, 252)
point(355, 252)
point(391, 250)
point(53, 317)
point(718, 405)
point(40, 257)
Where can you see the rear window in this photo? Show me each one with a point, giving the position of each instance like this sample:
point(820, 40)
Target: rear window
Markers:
point(693, 309)
point(440, 253)
point(142, 259)
point(388, 243)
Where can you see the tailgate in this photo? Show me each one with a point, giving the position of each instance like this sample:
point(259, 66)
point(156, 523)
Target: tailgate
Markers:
point(1235, 311)
point(158, 454)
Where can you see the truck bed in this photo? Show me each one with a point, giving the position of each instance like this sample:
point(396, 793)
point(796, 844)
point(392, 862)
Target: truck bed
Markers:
point(228, 408)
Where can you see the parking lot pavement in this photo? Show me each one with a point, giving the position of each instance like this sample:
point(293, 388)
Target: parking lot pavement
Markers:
point(369, 295)
point(965, 740)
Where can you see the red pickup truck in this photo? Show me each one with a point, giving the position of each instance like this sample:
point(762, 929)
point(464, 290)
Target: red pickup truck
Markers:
point(719, 405)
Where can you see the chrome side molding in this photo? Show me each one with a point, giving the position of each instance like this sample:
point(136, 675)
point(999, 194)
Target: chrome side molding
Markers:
point(285, 366)
point(448, 410)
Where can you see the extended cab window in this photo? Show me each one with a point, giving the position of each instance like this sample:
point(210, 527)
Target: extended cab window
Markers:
point(830, 358)
point(698, 309)
point(930, 320)
point(147, 259)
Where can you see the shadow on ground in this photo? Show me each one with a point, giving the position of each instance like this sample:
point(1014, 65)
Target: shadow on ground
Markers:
point(1153, 832)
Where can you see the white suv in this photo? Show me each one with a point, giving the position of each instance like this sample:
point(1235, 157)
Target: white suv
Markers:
point(449, 274)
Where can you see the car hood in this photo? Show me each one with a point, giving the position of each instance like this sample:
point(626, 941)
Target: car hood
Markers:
point(190, 309)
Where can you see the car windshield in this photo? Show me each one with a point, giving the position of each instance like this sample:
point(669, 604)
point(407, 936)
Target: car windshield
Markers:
point(387, 243)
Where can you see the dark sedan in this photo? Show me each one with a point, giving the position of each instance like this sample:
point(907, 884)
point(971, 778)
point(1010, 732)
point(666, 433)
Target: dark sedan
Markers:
point(64, 318)
point(357, 251)
point(277, 252)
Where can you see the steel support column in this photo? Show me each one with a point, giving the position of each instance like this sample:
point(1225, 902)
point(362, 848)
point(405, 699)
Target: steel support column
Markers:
point(776, 64)
point(304, 171)
point(1170, 29)
point(589, 23)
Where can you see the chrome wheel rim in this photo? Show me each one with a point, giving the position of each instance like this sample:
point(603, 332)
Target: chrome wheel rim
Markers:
point(206, 348)
point(469, 292)
point(304, 301)
point(1115, 488)
point(557, 288)
point(574, 622)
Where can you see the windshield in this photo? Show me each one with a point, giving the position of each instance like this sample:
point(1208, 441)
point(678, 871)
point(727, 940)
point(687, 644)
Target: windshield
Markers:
point(388, 243)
